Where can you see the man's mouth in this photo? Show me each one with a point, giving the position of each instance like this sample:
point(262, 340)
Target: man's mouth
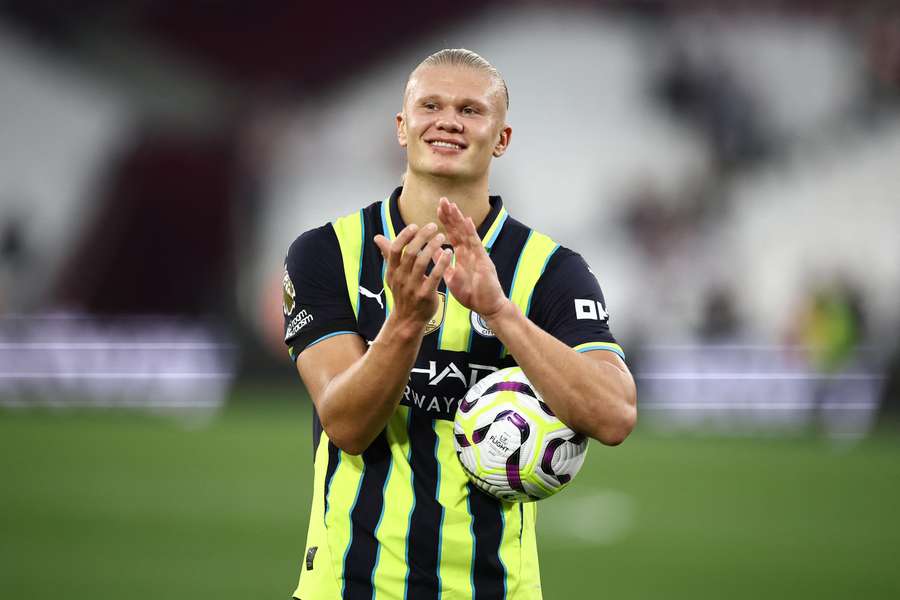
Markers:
point(446, 144)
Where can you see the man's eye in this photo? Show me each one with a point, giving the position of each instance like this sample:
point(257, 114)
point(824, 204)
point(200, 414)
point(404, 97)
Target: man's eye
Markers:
point(469, 111)
point(430, 105)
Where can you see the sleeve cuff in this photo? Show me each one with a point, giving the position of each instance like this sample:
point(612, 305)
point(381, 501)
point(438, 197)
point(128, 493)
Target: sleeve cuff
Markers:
point(294, 352)
point(609, 346)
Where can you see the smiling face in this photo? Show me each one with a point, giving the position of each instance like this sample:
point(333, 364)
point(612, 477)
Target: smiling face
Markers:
point(453, 122)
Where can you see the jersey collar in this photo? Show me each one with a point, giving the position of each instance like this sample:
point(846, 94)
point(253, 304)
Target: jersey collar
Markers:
point(488, 231)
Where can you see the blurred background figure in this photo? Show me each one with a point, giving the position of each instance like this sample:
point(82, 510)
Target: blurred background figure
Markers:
point(730, 171)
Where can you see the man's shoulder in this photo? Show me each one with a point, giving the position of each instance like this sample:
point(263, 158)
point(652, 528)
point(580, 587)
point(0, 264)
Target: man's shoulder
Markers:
point(312, 239)
point(559, 254)
point(326, 235)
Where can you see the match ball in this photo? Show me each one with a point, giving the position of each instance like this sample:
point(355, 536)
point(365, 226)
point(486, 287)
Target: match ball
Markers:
point(510, 443)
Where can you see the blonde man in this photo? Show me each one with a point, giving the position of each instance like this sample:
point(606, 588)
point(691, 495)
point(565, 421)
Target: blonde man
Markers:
point(393, 312)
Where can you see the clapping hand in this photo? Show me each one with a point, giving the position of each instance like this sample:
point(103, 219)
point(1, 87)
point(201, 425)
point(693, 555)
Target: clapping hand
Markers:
point(407, 258)
point(472, 279)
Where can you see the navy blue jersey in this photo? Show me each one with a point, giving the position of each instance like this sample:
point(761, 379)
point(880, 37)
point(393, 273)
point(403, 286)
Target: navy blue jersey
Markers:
point(403, 515)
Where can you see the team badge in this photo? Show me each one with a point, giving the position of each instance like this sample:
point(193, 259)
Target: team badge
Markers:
point(438, 317)
point(480, 326)
point(288, 294)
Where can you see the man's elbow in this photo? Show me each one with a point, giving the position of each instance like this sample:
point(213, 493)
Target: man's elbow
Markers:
point(350, 442)
point(613, 431)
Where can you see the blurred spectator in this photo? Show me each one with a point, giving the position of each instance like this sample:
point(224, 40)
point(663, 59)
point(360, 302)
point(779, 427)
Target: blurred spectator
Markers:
point(890, 401)
point(830, 326)
point(720, 321)
point(830, 329)
point(705, 94)
point(882, 47)
point(14, 256)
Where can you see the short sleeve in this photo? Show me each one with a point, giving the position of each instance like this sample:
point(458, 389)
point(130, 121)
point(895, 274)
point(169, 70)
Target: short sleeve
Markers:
point(315, 300)
point(568, 304)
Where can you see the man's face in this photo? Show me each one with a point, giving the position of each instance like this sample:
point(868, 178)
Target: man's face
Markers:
point(453, 122)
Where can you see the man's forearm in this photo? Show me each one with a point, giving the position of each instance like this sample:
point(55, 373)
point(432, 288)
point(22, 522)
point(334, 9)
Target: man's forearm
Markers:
point(593, 397)
point(357, 404)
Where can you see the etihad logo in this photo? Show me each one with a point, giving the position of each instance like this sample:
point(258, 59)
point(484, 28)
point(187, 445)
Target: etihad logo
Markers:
point(451, 371)
point(418, 395)
point(438, 318)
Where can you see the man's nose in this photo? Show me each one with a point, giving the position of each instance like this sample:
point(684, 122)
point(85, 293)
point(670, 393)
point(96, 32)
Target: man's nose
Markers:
point(449, 122)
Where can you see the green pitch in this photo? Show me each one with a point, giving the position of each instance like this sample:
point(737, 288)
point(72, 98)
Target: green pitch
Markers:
point(116, 505)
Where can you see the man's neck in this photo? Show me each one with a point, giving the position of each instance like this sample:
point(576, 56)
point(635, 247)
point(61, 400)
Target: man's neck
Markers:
point(419, 199)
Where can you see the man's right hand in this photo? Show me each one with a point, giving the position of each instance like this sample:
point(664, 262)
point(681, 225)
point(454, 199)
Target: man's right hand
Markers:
point(338, 370)
point(407, 258)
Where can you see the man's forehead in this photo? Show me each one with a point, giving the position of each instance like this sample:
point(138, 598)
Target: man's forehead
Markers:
point(454, 81)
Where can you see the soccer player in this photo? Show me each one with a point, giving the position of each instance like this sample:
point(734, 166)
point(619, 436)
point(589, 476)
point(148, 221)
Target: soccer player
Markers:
point(393, 312)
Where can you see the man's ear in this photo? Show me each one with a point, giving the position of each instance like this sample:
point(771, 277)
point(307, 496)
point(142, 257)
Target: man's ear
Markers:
point(503, 142)
point(401, 129)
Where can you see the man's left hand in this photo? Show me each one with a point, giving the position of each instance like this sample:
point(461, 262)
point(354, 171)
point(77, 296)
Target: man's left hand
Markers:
point(472, 278)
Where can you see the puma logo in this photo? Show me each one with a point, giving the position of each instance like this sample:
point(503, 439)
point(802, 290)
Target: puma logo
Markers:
point(374, 296)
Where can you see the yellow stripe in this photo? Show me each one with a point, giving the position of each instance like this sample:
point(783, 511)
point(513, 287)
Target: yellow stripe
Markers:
point(349, 230)
point(388, 225)
point(492, 230)
point(530, 582)
point(390, 572)
point(321, 581)
point(531, 265)
point(456, 327)
point(341, 496)
point(510, 550)
point(389, 221)
point(532, 261)
point(456, 539)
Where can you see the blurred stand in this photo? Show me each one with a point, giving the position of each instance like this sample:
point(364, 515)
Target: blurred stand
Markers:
point(717, 165)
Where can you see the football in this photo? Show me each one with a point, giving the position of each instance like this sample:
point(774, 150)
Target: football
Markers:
point(510, 443)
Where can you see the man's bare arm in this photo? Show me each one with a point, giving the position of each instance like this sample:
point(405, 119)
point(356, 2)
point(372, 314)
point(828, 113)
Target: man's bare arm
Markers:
point(355, 390)
point(592, 393)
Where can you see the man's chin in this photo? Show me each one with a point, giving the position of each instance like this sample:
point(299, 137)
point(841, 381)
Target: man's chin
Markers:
point(453, 172)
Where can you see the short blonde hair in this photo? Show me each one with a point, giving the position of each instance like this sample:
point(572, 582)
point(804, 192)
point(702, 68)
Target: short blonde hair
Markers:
point(461, 57)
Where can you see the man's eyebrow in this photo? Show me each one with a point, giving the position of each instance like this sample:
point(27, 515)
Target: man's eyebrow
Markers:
point(463, 101)
point(474, 102)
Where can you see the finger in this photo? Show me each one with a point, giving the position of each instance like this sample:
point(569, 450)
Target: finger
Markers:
point(444, 211)
point(464, 227)
point(472, 231)
point(384, 246)
point(464, 233)
point(451, 221)
point(441, 263)
point(412, 249)
point(424, 257)
point(400, 242)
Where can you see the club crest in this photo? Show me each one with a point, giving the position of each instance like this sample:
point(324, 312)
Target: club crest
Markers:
point(438, 317)
point(480, 326)
point(288, 294)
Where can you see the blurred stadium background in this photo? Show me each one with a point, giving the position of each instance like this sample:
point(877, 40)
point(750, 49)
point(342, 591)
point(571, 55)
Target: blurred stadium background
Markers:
point(730, 171)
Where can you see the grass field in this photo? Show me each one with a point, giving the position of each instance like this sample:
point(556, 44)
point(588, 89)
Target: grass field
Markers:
point(124, 506)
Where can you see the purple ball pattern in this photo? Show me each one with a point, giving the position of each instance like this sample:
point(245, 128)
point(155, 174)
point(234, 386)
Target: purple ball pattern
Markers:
point(515, 448)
